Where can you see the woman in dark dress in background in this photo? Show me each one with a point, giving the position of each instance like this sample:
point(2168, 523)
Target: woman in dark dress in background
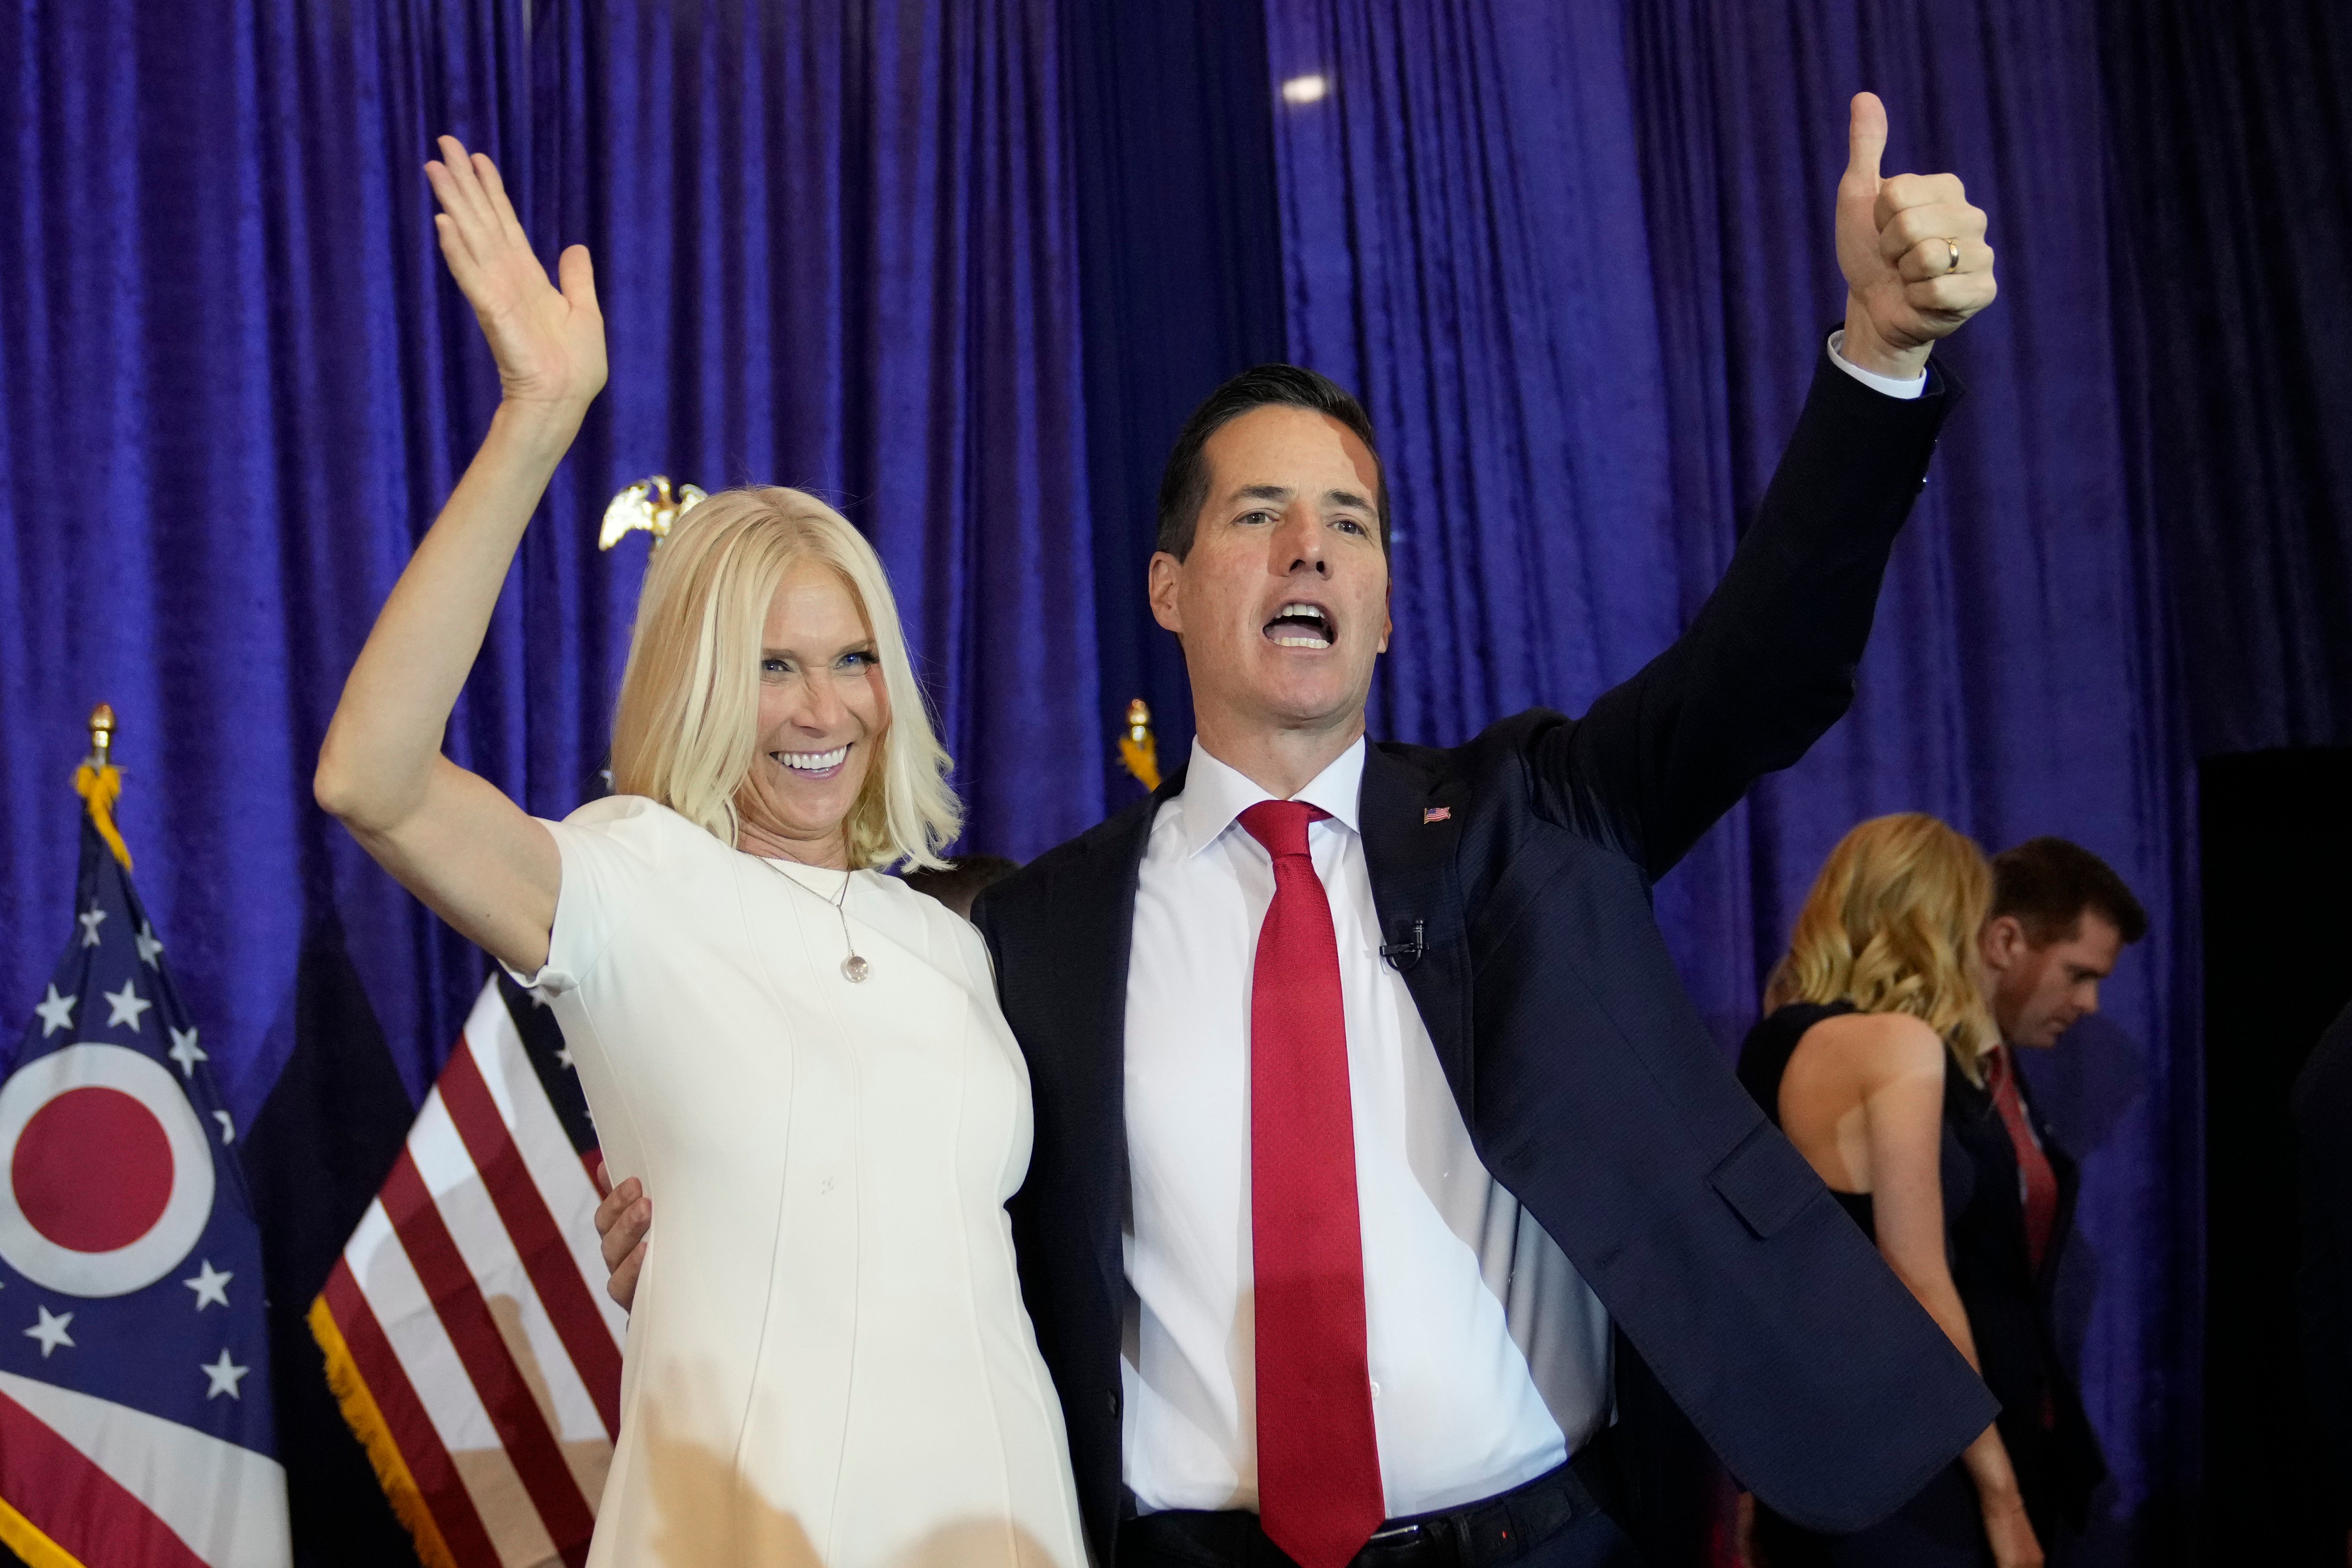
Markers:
point(1877, 1002)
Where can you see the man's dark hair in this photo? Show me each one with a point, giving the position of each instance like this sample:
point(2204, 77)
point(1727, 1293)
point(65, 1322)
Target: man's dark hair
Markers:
point(966, 877)
point(2047, 883)
point(1185, 484)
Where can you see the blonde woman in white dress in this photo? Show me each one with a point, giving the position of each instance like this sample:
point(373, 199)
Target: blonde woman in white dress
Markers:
point(828, 1363)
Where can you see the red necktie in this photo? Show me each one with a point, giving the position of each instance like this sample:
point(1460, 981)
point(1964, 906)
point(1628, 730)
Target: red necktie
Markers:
point(2037, 1182)
point(1319, 1462)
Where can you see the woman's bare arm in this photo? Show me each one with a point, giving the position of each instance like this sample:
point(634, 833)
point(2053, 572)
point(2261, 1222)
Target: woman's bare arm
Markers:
point(450, 837)
point(1902, 1093)
point(1903, 1108)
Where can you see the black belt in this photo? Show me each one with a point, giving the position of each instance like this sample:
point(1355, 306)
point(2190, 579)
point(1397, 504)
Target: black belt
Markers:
point(1496, 1530)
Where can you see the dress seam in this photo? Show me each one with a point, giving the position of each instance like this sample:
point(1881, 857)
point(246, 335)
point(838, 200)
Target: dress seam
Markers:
point(775, 1235)
point(971, 1286)
point(842, 1028)
point(1046, 1403)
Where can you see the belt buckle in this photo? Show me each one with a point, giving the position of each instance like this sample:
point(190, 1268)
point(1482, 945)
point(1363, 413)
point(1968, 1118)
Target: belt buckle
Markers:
point(1394, 1535)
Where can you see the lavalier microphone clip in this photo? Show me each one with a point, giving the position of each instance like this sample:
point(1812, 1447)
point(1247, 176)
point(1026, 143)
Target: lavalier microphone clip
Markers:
point(1403, 955)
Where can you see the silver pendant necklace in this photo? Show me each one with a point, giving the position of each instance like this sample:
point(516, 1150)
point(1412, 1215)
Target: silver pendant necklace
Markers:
point(853, 968)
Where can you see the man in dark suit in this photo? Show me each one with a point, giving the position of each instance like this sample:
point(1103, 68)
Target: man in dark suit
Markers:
point(1521, 1055)
point(1370, 1115)
point(2060, 917)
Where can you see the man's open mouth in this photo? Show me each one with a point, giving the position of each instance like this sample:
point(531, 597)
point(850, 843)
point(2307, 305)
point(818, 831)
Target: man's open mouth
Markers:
point(1302, 626)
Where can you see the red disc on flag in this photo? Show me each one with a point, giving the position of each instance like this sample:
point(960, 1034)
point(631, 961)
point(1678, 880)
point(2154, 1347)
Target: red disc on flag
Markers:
point(106, 1171)
point(92, 1170)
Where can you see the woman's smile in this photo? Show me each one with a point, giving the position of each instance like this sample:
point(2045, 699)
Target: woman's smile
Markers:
point(815, 764)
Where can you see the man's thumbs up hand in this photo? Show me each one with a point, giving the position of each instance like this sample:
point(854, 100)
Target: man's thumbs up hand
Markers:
point(1913, 251)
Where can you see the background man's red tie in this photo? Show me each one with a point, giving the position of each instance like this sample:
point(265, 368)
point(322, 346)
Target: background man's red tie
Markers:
point(1319, 1462)
point(2037, 1179)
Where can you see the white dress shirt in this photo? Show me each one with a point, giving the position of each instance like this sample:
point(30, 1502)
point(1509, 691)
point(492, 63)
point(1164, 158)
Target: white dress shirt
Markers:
point(1488, 1354)
point(1894, 386)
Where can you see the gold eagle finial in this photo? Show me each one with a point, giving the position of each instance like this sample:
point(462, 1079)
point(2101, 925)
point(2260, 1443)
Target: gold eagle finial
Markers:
point(647, 504)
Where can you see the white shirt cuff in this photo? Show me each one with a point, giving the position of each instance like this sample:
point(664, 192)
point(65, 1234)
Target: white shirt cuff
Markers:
point(1906, 390)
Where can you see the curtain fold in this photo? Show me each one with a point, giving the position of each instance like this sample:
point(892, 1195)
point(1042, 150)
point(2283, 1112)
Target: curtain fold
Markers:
point(234, 398)
point(1579, 262)
point(2231, 131)
point(1181, 254)
point(838, 248)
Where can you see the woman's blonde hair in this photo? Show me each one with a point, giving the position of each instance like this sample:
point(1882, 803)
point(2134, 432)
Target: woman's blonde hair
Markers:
point(687, 728)
point(1891, 926)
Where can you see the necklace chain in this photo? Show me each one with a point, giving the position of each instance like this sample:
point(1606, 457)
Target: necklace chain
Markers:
point(853, 968)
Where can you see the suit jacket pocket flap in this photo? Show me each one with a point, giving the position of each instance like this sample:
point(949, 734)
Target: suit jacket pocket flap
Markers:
point(1765, 1180)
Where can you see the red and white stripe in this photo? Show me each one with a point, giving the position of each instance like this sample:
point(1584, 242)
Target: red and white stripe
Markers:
point(471, 1299)
point(102, 1483)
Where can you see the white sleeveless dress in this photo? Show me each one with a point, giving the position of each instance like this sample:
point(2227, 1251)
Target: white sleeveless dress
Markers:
point(828, 1363)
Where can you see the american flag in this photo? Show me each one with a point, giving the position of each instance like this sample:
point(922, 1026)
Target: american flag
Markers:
point(466, 1330)
point(135, 1423)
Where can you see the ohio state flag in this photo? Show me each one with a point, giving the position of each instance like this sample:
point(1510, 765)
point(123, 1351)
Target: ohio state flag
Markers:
point(135, 1426)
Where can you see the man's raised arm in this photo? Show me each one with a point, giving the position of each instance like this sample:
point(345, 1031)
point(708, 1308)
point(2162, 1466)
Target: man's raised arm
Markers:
point(1769, 662)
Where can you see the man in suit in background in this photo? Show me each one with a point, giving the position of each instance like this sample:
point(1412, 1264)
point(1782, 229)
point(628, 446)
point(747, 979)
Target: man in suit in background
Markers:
point(1371, 1114)
point(2060, 917)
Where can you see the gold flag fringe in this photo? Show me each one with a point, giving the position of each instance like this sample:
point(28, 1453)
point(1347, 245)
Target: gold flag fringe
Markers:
point(367, 1423)
point(101, 787)
point(23, 1537)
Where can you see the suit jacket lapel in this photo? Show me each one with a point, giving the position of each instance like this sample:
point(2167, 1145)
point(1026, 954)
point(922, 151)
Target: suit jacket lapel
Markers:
point(1415, 887)
point(1412, 828)
point(1095, 913)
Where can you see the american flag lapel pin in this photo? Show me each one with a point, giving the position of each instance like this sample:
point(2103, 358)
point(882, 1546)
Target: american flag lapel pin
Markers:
point(1437, 814)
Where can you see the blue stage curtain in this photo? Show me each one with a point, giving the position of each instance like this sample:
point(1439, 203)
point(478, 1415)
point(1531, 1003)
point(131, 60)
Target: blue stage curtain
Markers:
point(236, 392)
point(1578, 263)
point(836, 248)
point(2232, 145)
point(1181, 257)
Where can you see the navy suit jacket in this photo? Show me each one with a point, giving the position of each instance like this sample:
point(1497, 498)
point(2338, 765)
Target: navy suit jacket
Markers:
point(2012, 1305)
point(1590, 1086)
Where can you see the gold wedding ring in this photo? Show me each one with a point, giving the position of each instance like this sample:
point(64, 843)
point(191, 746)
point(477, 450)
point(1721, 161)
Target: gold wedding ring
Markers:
point(1953, 265)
